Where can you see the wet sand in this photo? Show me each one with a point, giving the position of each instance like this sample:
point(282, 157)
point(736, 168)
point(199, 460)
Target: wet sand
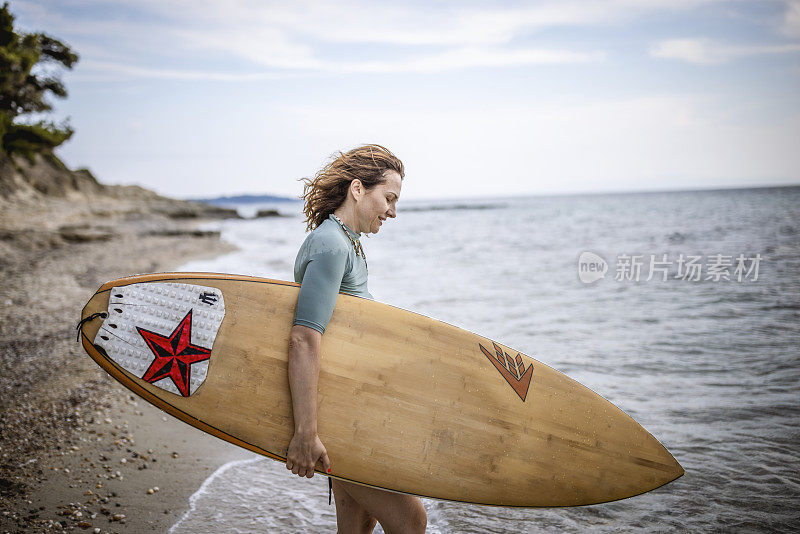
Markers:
point(77, 450)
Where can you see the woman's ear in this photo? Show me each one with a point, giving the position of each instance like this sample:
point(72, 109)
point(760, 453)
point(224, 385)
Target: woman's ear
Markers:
point(357, 189)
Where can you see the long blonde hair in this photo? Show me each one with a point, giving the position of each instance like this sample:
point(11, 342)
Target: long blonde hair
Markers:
point(327, 190)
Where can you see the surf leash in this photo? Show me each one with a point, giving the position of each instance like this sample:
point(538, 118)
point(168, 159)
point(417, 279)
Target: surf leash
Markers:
point(88, 318)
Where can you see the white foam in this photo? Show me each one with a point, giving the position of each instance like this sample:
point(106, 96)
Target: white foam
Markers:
point(204, 488)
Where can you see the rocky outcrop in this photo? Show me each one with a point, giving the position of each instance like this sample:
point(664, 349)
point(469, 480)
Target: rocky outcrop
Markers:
point(44, 205)
point(47, 177)
point(267, 213)
point(81, 233)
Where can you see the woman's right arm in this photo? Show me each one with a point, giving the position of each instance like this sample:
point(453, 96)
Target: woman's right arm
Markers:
point(305, 449)
point(315, 303)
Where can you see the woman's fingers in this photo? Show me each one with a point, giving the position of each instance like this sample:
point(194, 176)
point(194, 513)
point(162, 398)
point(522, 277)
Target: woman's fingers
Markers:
point(300, 468)
point(326, 462)
point(301, 458)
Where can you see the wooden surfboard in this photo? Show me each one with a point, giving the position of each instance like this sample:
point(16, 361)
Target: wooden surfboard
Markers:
point(406, 403)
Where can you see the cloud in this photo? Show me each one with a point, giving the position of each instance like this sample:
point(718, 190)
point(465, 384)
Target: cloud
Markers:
point(703, 51)
point(294, 36)
point(791, 19)
point(453, 23)
point(91, 70)
point(318, 36)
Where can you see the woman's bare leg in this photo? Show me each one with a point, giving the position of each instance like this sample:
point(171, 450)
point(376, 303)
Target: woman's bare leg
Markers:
point(362, 505)
point(351, 518)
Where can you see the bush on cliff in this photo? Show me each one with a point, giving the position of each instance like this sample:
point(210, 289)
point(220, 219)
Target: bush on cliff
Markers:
point(23, 92)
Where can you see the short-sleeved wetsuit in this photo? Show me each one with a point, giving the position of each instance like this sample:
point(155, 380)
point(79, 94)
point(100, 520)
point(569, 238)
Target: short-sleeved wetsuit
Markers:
point(325, 265)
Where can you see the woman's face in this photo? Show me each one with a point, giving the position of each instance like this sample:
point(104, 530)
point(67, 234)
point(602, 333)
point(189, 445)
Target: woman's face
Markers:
point(379, 203)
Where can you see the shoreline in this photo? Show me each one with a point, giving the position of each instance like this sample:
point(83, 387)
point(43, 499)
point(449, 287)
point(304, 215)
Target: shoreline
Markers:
point(78, 451)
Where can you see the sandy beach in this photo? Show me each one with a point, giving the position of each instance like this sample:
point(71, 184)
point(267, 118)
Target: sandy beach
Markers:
point(77, 450)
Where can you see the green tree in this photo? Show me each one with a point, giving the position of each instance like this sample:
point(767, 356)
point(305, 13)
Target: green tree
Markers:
point(23, 92)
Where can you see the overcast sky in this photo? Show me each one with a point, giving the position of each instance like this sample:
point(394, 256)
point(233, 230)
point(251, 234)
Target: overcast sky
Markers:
point(201, 98)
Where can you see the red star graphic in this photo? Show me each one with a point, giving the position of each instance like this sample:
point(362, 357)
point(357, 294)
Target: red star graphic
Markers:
point(175, 355)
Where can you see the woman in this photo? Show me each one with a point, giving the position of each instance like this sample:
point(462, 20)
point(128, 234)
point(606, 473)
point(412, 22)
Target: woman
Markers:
point(353, 194)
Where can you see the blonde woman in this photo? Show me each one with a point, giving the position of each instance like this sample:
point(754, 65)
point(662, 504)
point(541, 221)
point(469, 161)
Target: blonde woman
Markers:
point(353, 195)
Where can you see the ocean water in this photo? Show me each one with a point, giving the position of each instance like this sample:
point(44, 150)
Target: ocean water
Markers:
point(711, 367)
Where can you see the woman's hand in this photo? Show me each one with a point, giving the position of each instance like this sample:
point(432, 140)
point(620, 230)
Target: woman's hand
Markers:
point(304, 452)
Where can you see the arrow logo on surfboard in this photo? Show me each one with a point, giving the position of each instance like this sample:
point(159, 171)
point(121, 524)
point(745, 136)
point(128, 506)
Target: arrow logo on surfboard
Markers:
point(512, 369)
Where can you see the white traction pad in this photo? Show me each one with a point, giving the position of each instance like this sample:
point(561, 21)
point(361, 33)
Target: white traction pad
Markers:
point(163, 333)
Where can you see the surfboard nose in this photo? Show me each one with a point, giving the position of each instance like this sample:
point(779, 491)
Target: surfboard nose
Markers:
point(677, 469)
point(664, 468)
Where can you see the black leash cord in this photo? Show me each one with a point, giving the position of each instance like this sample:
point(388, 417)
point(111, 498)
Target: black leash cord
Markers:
point(87, 319)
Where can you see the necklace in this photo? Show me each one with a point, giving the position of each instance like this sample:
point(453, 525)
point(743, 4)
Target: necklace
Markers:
point(356, 243)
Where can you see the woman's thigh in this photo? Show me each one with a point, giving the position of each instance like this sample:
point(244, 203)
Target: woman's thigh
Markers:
point(396, 512)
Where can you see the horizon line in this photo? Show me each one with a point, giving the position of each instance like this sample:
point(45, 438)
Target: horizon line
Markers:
point(596, 192)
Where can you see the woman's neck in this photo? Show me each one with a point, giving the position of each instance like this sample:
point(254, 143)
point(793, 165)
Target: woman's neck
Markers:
point(347, 214)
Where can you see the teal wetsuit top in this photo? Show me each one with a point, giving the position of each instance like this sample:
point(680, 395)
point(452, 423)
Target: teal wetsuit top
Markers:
point(325, 265)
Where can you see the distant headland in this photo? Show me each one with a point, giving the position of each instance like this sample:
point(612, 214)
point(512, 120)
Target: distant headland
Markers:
point(245, 199)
